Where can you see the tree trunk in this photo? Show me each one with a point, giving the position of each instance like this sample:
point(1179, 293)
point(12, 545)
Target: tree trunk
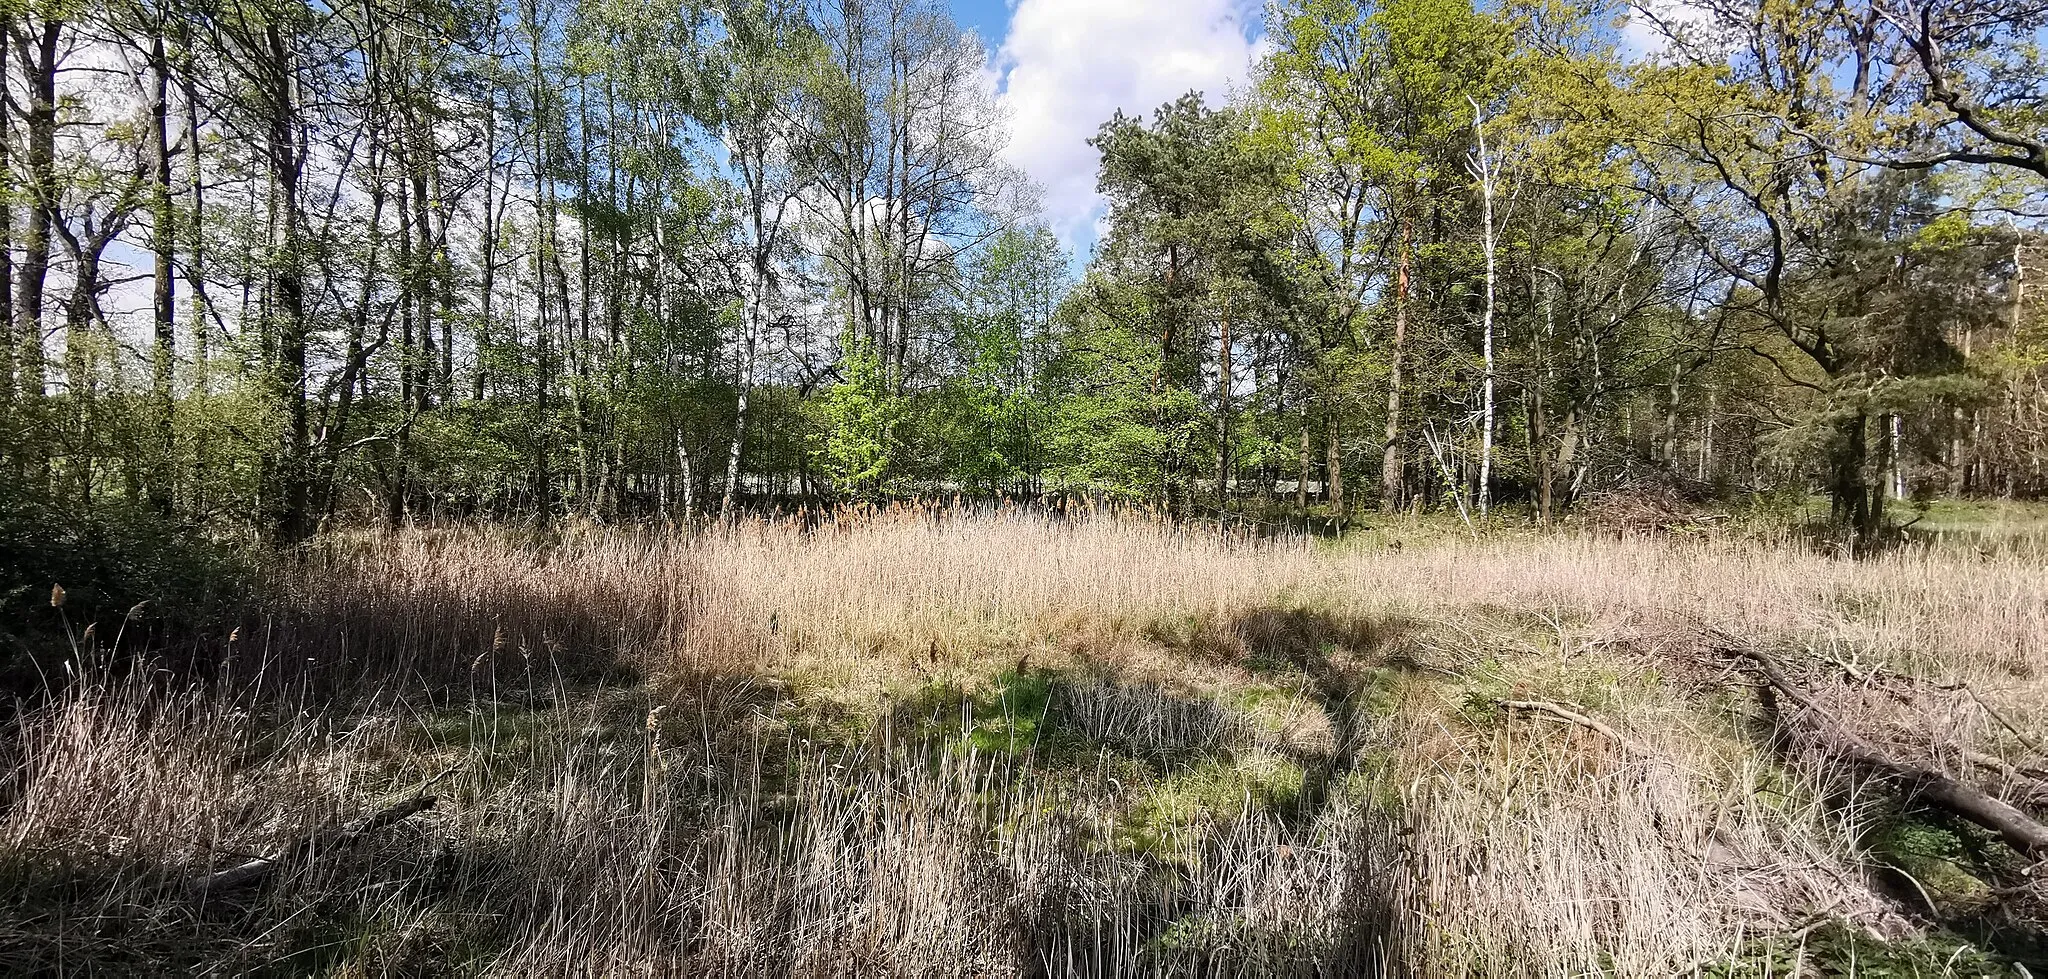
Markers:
point(1391, 477)
point(1335, 456)
point(1484, 170)
point(195, 254)
point(1539, 408)
point(544, 483)
point(13, 349)
point(487, 259)
point(293, 504)
point(1848, 487)
point(1302, 470)
point(164, 237)
point(1223, 384)
point(757, 299)
point(39, 65)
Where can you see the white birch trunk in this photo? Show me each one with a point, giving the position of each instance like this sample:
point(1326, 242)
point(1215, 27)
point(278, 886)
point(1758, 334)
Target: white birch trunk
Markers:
point(1483, 169)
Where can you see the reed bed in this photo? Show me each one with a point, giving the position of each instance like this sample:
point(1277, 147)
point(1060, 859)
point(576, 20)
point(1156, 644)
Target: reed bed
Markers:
point(912, 742)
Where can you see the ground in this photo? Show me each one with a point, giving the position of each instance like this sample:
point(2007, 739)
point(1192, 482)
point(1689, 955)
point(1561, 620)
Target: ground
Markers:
point(919, 742)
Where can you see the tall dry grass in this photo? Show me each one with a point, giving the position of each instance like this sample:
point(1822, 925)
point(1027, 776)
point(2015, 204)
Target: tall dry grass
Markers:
point(912, 743)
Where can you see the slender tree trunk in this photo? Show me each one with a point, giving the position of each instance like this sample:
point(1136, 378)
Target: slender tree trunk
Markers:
point(164, 237)
point(409, 374)
point(1224, 370)
point(1391, 475)
point(1895, 437)
point(1302, 470)
point(1706, 465)
point(287, 274)
point(1674, 399)
point(487, 262)
point(688, 474)
point(544, 483)
point(739, 434)
point(14, 355)
point(585, 436)
point(442, 286)
point(756, 303)
point(38, 55)
point(197, 312)
point(426, 257)
point(1539, 409)
point(195, 225)
point(1484, 170)
point(1335, 464)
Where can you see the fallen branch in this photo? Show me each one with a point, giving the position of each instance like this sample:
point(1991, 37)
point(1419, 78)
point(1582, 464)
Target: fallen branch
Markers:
point(2032, 744)
point(255, 871)
point(2019, 830)
point(1567, 714)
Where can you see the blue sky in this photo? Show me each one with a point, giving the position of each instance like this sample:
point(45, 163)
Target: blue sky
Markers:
point(989, 18)
point(1063, 67)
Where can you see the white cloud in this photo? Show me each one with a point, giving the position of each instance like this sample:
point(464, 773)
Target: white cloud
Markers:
point(1066, 66)
point(1645, 34)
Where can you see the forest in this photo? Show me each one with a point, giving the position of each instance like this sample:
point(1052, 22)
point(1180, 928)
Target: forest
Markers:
point(605, 487)
point(281, 268)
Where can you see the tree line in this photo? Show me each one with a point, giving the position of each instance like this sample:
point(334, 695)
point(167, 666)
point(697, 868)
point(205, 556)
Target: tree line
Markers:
point(286, 266)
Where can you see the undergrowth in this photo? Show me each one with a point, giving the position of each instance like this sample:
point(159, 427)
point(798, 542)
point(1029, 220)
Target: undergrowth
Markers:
point(996, 746)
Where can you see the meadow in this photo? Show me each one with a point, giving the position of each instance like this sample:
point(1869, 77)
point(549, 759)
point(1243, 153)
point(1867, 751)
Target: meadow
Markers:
point(919, 742)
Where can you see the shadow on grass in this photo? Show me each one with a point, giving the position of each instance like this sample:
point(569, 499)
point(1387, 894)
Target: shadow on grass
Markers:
point(739, 829)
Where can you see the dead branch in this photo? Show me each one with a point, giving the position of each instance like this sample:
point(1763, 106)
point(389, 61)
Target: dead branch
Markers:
point(255, 871)
point(1567, 714)
point(2024, 739)
point(2018, 829)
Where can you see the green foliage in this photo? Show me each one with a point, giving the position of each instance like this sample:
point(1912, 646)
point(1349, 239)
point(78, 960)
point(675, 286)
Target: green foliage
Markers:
point(1836, 949)
point(855, 421)
point(603, 257)
point(134, 578)
point(1114, 426)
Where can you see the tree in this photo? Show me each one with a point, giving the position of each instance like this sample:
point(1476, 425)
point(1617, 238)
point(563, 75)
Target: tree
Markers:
point(1197, 210)
point(757, 75)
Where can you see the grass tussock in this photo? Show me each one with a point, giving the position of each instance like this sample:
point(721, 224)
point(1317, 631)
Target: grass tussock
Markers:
point(920, 745)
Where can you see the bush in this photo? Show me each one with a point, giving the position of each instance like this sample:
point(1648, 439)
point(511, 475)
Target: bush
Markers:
point(131, 579)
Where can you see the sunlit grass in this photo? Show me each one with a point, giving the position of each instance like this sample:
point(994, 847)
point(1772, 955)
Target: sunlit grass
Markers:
point(920, 743)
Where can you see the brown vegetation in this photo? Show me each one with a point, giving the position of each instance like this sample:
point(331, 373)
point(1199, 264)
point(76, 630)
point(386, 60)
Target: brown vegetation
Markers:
point(916, 744)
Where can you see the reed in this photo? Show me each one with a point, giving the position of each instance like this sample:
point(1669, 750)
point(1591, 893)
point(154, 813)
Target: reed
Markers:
point(916, 743)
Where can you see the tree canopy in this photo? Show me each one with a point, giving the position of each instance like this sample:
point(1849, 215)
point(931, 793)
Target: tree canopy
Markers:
point(281, 267)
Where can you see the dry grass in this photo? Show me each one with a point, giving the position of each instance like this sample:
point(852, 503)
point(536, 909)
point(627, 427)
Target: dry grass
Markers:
point(916, 744)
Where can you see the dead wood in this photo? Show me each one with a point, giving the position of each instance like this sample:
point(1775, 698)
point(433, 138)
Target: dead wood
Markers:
point(1566, 714)
point(2019, 830)
point(329, 841)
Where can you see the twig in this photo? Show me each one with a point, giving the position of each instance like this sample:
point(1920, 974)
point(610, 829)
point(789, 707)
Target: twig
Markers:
point(1566, 713)
point(2024, 738)
point(254, 871)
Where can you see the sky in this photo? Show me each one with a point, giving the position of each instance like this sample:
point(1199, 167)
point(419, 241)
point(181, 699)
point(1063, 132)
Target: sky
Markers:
point(1063, 67)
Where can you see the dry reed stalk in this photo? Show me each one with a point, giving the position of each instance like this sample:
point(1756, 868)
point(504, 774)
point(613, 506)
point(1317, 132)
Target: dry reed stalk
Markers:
point(655, 757)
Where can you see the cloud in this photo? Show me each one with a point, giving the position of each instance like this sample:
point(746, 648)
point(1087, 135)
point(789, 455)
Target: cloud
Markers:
point(1066, 66)
point(1644, 35)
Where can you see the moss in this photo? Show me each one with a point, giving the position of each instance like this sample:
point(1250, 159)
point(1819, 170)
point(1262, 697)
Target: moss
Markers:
point(1206, 794)
point(1008, 714)
point(1838, 950)
point(1370, 782)
point(1934, 856)
point(1269, 709)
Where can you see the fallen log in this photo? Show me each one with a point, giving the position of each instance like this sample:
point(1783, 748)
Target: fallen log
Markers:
point(2019, 830)
point(256, 870)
